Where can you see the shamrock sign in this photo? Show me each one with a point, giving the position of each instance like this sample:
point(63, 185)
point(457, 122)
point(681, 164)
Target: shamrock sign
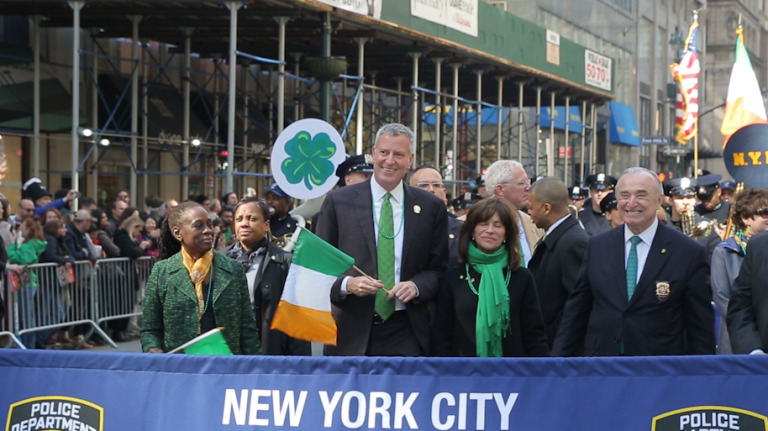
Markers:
point(305, 157)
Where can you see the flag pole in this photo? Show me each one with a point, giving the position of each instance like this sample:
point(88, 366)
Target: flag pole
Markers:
point(696, 148)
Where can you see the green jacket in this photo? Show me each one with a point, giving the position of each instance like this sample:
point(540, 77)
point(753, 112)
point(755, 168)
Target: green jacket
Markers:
point(170, 307)
point(27, 254)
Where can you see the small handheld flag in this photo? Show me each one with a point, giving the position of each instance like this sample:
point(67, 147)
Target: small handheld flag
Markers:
point(210, 343)
point(304, 311)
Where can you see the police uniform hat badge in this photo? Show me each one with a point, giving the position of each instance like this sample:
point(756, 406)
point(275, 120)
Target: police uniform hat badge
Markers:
point(601, 181)
point(662, 290)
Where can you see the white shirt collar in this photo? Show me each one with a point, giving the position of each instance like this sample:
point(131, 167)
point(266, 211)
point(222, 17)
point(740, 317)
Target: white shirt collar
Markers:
point(557, 223)
point(646, 235)
point(378, 192)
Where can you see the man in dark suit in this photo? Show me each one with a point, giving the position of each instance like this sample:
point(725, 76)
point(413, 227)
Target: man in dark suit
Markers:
point(428, 178)
point(353, 220)
point(557, 259)
point(660, 304)
point(748, 307)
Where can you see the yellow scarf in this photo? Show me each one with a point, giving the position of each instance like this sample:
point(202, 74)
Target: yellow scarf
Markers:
point(198, 272)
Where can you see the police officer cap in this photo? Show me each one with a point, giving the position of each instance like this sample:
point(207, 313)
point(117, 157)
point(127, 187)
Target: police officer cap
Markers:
point(608, 203)
point(601, 182)
point(728, 185)
point(480, 181)
point(707, 184)
point(358, 163)
point(465, 201)
point(577, 192)
point(277, 191)
point(680, 187)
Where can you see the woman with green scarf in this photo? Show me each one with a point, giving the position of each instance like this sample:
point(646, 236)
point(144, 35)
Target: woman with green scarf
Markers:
point(487, 305)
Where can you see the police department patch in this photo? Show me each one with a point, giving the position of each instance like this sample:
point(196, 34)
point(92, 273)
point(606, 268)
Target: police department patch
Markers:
point(703, 418)
point(55, 413)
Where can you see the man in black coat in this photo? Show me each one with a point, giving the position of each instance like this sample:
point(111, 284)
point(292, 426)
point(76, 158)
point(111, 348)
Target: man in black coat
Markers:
point(748, 308)
point(659, 305)
point(557, 259)
point(350, 220)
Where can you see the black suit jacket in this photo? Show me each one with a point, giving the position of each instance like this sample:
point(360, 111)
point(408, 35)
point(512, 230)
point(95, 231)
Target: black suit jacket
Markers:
point(748, 307)
point(555, 265)
point(346, 222)
point(599, 317)
point(454, 229)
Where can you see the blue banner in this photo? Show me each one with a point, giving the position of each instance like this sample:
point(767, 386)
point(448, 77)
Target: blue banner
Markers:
point(115, 392)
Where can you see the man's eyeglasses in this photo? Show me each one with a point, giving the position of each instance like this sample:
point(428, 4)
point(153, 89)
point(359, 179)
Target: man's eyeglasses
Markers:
point(426, 185)
point(523, 183)
point(762, 212)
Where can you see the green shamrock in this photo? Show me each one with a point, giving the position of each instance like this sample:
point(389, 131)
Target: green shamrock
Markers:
point(309, 159)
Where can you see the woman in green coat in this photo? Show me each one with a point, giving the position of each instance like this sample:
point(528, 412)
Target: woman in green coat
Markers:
point(193, 289)
point(27, 252)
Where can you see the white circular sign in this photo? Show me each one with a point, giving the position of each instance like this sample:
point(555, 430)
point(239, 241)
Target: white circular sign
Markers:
point(305, 157)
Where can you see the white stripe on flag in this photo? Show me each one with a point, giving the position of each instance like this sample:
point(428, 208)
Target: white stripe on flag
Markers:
point(312, 288)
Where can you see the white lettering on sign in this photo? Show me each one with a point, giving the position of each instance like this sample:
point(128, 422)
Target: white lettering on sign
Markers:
point(553, 38)
point(597, 70)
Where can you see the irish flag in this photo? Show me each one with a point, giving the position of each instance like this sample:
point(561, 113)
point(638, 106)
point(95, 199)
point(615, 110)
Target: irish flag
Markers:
point(744, 103)
point(304, 311)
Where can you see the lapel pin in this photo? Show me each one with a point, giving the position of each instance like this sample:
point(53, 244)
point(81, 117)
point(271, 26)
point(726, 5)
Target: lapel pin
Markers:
point(663, 250)
point(417, 209)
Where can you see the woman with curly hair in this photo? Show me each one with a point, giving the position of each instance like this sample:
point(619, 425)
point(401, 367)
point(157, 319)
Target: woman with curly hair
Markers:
point(749, 215)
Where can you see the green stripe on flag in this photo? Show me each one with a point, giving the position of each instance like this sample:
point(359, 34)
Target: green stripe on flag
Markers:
point(314, 253)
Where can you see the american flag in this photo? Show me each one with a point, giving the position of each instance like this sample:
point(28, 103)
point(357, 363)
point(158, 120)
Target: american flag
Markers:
point(686, 74)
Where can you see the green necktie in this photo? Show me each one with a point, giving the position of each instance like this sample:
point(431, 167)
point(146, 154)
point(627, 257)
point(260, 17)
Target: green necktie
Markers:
point(385, 250)
point(632, 266)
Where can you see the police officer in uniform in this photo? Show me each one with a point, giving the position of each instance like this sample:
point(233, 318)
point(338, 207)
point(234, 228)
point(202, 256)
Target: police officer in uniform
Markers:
point(281, 224)
point(708, 192)
point(355, 169)
point(578, 196)
point(610, 208)
point(682, 193)
point(591, 216)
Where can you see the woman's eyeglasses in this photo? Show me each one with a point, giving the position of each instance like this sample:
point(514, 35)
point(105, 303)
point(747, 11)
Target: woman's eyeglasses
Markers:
point(762, 212)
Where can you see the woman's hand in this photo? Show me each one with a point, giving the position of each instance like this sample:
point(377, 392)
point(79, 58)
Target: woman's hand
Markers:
point(155, 350)
point(18, 269)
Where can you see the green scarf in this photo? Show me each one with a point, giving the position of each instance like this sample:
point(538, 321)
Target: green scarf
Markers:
point(492, 322)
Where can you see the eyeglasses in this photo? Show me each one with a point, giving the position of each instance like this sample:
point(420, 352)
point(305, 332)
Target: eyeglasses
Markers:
point(426, 185)
point(523, 183)
point(762, 212)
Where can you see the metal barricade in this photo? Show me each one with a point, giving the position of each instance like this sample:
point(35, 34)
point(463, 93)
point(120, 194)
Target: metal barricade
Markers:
point(7, 337)
point(120, 283)
point(42, 301)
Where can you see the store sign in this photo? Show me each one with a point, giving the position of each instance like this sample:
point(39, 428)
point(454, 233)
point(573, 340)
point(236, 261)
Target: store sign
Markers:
point(460, 15)
point(597, 70)
point(371, 8)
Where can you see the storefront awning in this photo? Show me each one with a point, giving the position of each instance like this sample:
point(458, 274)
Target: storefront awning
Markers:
point(574, 120)
point(623, 125)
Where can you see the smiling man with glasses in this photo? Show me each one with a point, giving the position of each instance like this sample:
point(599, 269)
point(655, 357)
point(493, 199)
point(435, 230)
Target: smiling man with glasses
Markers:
point(507, 179)
point(428, 178)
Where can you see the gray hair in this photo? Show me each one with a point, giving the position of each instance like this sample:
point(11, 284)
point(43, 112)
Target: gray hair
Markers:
point(500, 172)
point(637, 169)
point(397, 129)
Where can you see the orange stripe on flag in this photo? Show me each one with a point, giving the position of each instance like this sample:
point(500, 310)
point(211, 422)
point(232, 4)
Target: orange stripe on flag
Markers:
point(737, 116)
point(305, 323)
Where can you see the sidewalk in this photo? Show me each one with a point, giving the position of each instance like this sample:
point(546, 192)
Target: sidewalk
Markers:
point(127, 346)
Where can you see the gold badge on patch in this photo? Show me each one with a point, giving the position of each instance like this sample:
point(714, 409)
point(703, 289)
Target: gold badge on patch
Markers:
point(662, 290)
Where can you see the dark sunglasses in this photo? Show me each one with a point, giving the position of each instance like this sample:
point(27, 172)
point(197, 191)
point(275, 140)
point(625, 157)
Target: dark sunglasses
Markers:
point(762, 212)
